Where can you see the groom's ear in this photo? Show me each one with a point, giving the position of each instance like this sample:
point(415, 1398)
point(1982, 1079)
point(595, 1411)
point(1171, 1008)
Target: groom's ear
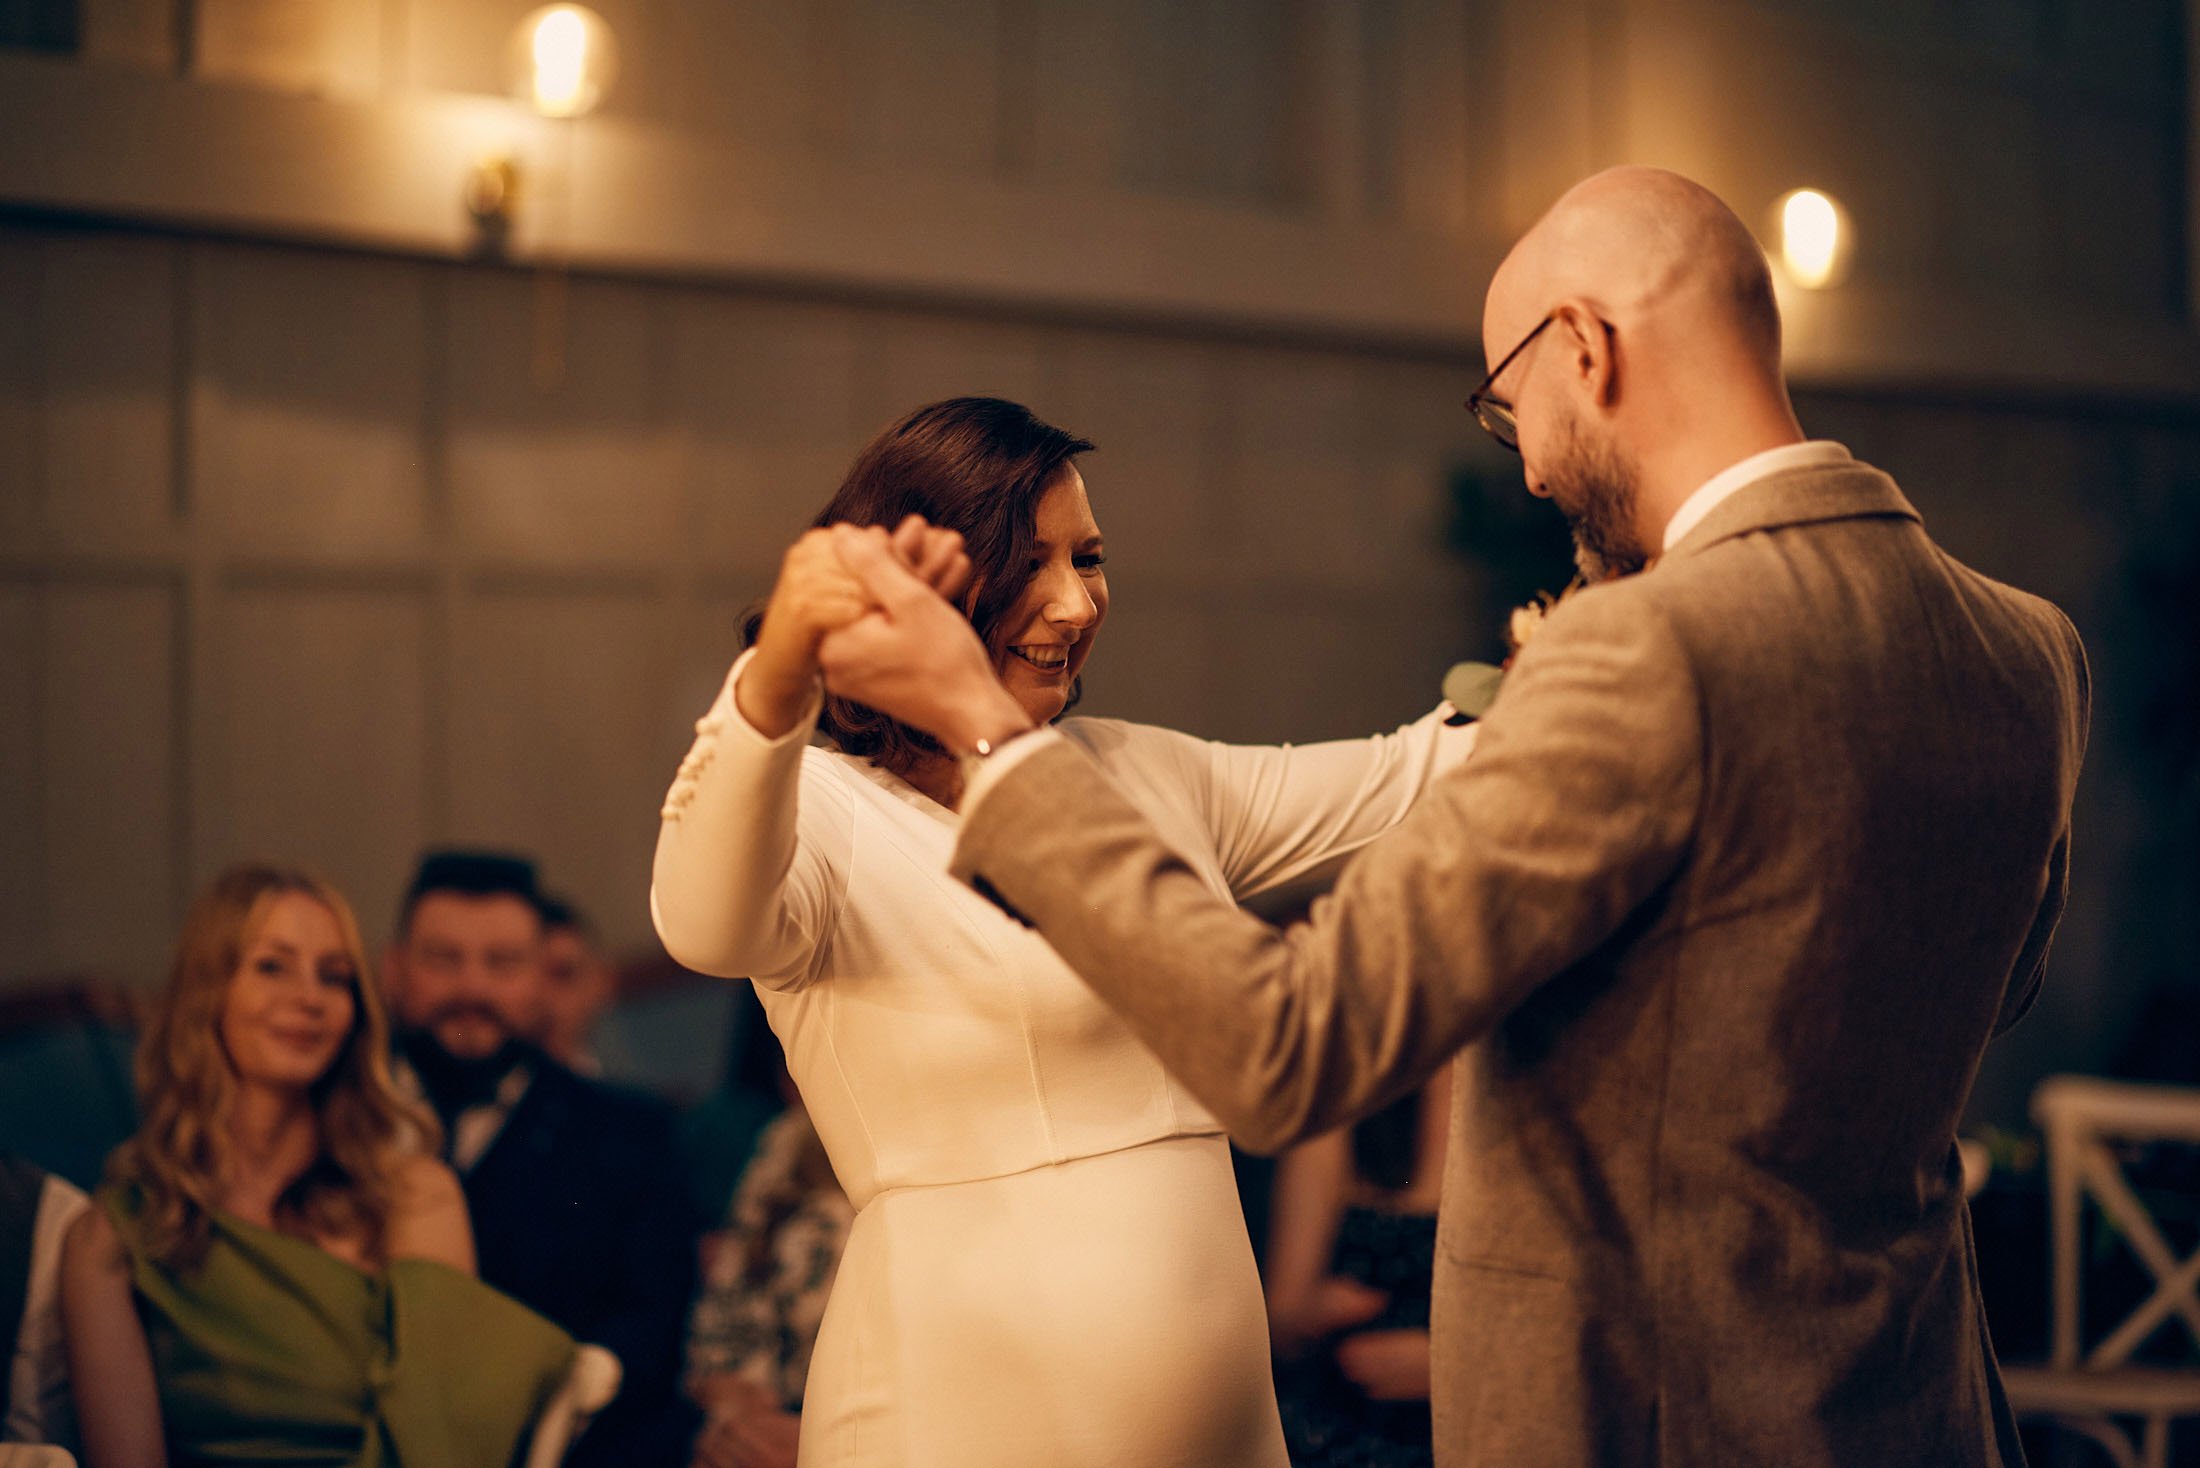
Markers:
point(1592, 358)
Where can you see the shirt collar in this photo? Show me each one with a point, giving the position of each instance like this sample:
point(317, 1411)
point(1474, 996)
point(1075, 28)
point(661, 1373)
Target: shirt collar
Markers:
point(1736, 477)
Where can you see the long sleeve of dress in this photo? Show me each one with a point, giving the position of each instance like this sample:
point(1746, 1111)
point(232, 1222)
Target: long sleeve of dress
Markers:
point(1284, 818)
point(752, 858)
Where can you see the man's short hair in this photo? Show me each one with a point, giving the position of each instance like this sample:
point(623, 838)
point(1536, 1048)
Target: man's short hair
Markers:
point(560, 914)
point(472, 874)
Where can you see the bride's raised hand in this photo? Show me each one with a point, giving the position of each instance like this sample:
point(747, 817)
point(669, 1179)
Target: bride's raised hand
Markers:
point(814, 595)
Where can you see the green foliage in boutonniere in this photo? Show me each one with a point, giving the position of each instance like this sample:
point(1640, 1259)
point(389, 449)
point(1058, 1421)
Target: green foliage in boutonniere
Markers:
point(1472, 687)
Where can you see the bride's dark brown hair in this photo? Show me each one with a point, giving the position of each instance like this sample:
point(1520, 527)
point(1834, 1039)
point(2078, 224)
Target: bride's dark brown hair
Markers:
point(977, 466)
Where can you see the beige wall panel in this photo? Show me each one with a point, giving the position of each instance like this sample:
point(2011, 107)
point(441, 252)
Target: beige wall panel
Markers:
point(707, 643)
point(135, 33)
point(108, 766)
point(1851, 123)
point(2005, 34)
point(744, 72)
point(1990, 232)
point(308, 399)
point(21, 261)
point(1319, 520)
point(924, 84)
point(1433, 112)
point(558, 747)
point(108, 319)
point(328, 46)
point(23, 947)
point(2110, 179)
point(460, 45)
point(1300, 498)
point(575, 466)
point(1307, 667)
point(764, 393)
point(1420, 437)
point(1078, 110)
point(1209, 95)
point(323, 716)
point(1160, 658)
point(916, 359)
point(1155, 408)
point(1553, 106)
point(2128, 49)
point(1417, 410)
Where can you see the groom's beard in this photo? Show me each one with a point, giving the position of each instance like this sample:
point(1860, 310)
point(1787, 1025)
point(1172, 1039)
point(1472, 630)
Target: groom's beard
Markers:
point(1595, 490)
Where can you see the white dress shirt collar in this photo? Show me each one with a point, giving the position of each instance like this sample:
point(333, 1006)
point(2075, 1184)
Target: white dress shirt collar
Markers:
point(1736, 477)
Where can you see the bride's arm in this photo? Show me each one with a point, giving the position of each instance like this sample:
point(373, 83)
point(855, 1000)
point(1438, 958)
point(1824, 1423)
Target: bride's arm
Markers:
point(1284, 815)
point(752, 859)
point(752, 856)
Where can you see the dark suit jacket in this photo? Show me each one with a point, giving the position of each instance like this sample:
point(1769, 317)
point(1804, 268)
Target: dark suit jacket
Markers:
point(580, 1211)
point(1755, 853)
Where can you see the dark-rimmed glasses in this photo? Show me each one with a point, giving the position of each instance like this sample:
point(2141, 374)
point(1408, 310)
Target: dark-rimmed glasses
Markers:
point(1493, 412)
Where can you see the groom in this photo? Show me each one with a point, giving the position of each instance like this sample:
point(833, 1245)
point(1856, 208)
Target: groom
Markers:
point(1758, 848)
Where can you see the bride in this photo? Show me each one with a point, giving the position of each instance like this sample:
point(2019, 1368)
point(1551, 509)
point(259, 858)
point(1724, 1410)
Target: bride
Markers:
point(1048, 1265)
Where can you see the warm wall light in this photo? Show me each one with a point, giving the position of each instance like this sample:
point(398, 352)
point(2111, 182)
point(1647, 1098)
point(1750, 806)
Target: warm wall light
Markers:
point(1815, 236)
point(563, 59)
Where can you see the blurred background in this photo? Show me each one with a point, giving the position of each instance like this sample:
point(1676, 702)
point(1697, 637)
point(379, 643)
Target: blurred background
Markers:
point(384, 460)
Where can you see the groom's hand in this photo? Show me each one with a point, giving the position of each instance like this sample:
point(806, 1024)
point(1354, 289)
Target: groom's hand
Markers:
point(915, 657)
point(933, 555)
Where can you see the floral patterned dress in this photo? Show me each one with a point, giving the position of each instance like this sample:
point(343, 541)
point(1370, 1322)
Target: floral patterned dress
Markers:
point(768, 1272)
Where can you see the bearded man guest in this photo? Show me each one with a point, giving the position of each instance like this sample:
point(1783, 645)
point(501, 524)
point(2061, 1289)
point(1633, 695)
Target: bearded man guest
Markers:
point(1760, 846)
point(576, 1190)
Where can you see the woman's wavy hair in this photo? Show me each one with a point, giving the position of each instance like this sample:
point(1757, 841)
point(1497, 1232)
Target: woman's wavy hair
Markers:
point(977, 466)
point(180, 1154)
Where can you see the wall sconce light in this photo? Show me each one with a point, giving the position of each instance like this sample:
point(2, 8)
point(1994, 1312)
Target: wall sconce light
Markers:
point(1816, 238)
point(562, 62)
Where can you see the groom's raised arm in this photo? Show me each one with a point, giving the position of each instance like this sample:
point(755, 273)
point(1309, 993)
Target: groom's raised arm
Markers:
point(1576, 805)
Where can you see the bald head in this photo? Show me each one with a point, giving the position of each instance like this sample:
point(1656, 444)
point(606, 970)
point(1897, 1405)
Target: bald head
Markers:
point(1650, 360)
point(1650, 250)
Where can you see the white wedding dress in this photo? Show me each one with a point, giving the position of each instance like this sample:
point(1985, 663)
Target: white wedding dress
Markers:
point(1048, 1266)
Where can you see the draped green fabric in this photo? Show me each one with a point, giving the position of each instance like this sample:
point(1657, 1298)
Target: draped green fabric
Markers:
point(274, 1351)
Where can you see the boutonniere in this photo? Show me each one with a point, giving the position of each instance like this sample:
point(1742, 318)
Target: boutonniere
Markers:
point(1472, 687)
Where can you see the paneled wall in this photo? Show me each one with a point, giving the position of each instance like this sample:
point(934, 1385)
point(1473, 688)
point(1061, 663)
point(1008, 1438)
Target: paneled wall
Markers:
point(303, 553)
point(300, 556)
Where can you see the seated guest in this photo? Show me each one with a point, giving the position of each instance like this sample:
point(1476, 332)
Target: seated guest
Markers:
point(1352, 1247)
point(576, 1191)
point(273, 1273)
point(578, 985)
point(766, 1278)
point(36, 1209)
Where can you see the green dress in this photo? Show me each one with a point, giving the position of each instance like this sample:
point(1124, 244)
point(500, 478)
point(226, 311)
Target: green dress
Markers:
point(273, 1350)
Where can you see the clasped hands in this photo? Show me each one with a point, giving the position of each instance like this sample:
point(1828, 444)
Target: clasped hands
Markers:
point(872, 612)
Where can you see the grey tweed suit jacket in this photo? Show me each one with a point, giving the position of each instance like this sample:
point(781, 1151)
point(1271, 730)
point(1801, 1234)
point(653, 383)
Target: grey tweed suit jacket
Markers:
point(1757, 850)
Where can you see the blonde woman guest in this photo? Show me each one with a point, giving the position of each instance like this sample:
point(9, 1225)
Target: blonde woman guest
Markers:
point(274, 1272)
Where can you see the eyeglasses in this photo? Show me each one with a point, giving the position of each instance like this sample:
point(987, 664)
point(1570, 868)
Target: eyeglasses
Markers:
point(1494, 413)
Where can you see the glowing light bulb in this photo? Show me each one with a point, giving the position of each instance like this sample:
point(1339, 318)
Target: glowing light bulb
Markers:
point(564, 60)
point(1815, 238)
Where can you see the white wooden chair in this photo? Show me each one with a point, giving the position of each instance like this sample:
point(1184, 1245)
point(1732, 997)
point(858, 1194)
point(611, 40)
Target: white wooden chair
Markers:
point(588, 1388)
point(2094, 1391)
